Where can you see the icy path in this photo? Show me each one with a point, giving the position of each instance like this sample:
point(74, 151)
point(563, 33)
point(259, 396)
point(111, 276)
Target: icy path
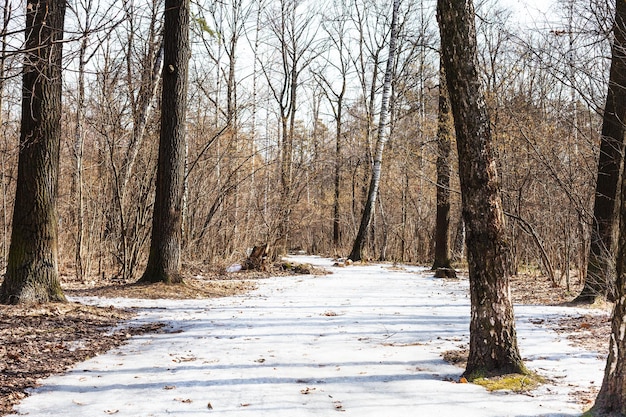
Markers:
point(364, 341)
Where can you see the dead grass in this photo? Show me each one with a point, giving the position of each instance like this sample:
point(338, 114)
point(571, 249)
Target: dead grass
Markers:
point(192, 288)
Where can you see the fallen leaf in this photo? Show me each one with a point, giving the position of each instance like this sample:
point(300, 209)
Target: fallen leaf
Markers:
point(209, 406)
point(463, 380)
point(169, 387)
point(111, 411)
point(181, 400)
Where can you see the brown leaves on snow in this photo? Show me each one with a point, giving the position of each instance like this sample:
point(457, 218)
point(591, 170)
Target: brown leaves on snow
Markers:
point(37, 341)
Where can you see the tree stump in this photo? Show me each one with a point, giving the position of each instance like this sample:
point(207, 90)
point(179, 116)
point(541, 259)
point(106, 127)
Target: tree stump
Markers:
point(257, 258)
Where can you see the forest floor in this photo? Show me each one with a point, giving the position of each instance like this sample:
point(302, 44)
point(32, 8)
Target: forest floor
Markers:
point(39, 341)
point(48, 339)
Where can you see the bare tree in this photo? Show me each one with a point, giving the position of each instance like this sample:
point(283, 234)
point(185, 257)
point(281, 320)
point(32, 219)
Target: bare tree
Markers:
point(32, 271)
point(599, 278)
point(493, 340)
point(139, 80)
point(85, 15)
point(165, 244)
point(295, 34)
point(359, 242)
point(334, 87)
point(445, 128)
point(611, 400)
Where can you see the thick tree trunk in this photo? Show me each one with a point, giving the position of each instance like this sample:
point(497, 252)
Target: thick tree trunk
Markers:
point(611, 400)
point(599, 281)
point(493, 340)
point(359, 241)
point(32, 271)
point(165, 245)
point(444, 142)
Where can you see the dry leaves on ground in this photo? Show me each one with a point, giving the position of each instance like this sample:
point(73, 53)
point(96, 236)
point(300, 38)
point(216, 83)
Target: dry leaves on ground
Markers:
point(38, 341)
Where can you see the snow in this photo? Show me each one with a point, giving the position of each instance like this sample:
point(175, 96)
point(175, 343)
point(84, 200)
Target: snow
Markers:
point(363, 341)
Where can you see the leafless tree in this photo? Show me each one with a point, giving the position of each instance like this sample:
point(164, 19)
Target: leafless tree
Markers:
point(359, 242)
point(164, 260)
point(493, 340)
point(32, 270)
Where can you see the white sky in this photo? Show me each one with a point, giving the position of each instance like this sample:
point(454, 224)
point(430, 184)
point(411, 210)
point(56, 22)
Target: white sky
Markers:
point(530, 11)
point(366, 341)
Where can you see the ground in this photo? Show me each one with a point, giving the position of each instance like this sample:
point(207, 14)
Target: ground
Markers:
point(589, 331)
point(36, 342)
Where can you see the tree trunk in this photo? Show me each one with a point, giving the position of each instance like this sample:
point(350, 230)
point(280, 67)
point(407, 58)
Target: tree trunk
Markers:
point(79, 142)
point(493, 340)
point(6, 19)
point(599, 278)
point(359, 242)
point(32, 271)
point(338, 138)
point(444, 143)
point(611, 400)
point(165, 245)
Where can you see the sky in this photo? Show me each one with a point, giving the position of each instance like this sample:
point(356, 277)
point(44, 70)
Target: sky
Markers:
point(529, 12)
point(362, 341)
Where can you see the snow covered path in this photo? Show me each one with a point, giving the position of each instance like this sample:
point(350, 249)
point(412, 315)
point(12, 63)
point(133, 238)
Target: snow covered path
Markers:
point(364, 341)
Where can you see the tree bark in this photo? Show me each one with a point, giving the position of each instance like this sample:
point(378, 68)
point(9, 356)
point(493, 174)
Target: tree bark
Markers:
point(611, 400)
point(166, 239)
point(337, 194)
point(359, 241)
point(599, 278)
point(493, 340)
point(445, 130)
point(32, 271)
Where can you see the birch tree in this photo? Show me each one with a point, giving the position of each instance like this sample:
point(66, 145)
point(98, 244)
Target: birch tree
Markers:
point(359, 242)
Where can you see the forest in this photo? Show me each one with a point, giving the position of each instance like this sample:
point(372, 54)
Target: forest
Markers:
point(144, 140)
point(307, 76)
